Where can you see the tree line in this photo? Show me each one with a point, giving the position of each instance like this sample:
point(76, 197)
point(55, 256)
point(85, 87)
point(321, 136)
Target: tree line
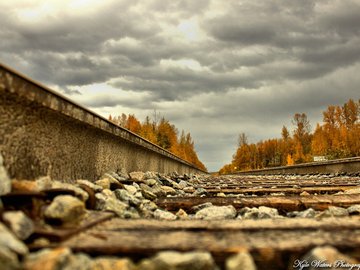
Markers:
point(162, 133)
point(337, 137)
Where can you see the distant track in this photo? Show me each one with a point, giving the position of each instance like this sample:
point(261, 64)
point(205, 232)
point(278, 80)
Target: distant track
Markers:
point(345, 165)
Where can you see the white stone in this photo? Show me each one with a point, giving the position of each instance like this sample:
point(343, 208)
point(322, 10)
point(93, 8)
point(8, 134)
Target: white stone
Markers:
point(66, 209)
point(5, 182)
point(165, 215)
point(242, 260)
point(171, 260)
point(10, 241)
point(216, 212)
point(19, 223)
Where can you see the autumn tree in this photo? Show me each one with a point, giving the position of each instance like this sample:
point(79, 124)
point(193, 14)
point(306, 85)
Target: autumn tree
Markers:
point(119, 120)
point(242, 139)
point(286, 148)
point(133, 124)
point(350, 114)
point(341, 124)
point(242, 158)
point(302, 138)
point(320, 142)
point(162, 133)
point(148, 130)
point(166, 135)
point(228, 168)
point(337, 137)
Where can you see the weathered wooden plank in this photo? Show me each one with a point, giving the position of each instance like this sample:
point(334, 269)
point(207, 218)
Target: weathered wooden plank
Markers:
point(218, 237)
point(117, 224)
point(318, 202)
point(265, 182)
point(277, 185)
point(325, 189)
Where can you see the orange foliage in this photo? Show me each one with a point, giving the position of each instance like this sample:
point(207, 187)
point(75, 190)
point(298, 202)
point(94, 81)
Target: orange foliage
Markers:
point(289, 160)
point(337, 137)
point(163, 134)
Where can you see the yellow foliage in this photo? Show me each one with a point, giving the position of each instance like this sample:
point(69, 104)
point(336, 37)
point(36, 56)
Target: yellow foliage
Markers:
point(338, 137)
point(289, 160)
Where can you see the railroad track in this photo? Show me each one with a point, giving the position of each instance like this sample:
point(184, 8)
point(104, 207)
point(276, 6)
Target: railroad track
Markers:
point(265, 219)
point(311, 212)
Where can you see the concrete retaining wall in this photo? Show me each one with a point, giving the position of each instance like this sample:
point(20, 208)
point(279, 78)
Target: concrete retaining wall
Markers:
point(44, 133)
point(349, 165)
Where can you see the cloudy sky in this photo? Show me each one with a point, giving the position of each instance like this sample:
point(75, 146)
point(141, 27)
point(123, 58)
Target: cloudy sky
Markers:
point(212, 67)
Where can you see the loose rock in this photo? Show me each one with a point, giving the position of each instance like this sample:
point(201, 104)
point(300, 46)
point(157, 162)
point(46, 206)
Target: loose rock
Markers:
point(337, 211)
point(115, 179)
point(181, 214)
point(5, 182)
point(137, 176)
point(78, 262)
point(151, 182)
point(354, 209)
point(170, 183)
point(196, 208)
point(327, 254)
point(249, 213)
point(165, 215)
point(216, 212)
point(107, 201)
point(308, 213)
point(146, 191)
point(8, 259)
point(126, 197)
point(104, 183)
point(159, 190)
point(94, 187)
point(65, 209)
point(199, 192)
point(242, 260)
point(10, 241)
point(112, 263)
point(48, 259)
point(150, 175)
point(148, 195)
point(19, 223)
point(147, 208)
point(189, 189)
point(267, 212)
point(44, 182)
point(131, 189)
point(171, 260)
point(183, 184)
point(79, 192)
point(332, 211)
point(259, 213)
point(168, 190)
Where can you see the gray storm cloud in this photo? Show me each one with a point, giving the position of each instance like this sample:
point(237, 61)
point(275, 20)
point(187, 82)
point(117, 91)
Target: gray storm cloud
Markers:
point(214, 68)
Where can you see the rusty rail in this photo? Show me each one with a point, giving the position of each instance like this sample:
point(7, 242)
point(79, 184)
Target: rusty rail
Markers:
point(331, 166)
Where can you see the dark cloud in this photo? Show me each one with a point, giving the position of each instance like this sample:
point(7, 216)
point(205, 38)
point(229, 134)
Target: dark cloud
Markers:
point(215, 68)
point(341, 18)
point(229, 30)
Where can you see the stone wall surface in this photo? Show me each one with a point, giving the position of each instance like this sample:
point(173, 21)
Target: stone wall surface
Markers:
point(43, 133)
